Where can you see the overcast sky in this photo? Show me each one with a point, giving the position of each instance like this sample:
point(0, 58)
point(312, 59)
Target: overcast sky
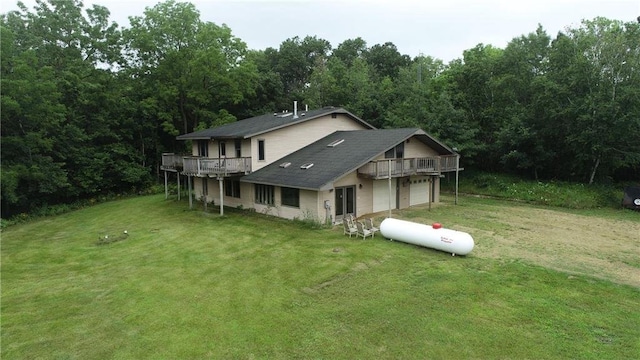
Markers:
point(439, 28)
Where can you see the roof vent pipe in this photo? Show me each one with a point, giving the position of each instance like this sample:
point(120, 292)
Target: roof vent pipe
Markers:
point(295, 109)
point(306, 107)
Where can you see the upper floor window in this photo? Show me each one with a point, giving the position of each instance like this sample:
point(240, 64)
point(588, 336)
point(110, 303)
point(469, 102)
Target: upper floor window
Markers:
point(396, 152)
point(203, 148)
point(222, 146)
point(238, 146)
point(261, 150)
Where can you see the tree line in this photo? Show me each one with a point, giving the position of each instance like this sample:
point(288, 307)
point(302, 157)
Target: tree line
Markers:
point(88, 106)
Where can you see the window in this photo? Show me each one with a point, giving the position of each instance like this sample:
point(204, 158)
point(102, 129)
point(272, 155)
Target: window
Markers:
point(203, 148)
point(222, 146)
point(260, 149)
point(232, 188)
point(395, 153)
point(290, 197)
point(400, 151)
point(238, 146)
point(264, 194)
point(389, 154)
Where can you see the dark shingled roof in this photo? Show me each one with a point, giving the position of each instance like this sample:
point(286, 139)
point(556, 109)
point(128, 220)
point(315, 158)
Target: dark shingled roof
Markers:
point(331, 163)
point(264, 123)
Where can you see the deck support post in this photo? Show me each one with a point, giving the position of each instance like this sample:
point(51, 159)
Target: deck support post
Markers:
point(221, 185)
point(429, 191)
point(389, 175)
point(177, 173)
point(166, 186)
point(457, 174)
point(190, 192)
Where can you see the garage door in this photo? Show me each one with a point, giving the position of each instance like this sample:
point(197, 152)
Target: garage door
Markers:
point(381, 195)
point(419, 191)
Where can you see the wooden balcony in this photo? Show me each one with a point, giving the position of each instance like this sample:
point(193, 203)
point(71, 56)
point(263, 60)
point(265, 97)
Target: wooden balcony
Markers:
point(201, 166)
point(172, 162)
point(381, 169)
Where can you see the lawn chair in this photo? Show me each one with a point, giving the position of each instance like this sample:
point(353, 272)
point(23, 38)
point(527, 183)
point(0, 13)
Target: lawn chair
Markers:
point(362, 231)
point(351, 218)
point(349, 228)
point(368, 224)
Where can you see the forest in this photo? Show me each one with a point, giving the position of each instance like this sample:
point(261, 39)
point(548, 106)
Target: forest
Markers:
point(88, 106)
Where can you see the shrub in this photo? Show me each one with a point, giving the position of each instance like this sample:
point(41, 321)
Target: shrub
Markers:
point(310, 221)
point(552, 193)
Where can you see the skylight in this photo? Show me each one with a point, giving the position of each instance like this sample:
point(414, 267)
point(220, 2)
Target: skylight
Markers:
point(306, 166)
point(336, 143)
point(285, 165)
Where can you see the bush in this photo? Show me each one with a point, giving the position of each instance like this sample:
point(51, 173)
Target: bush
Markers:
point(310, 221)
point(552, 193)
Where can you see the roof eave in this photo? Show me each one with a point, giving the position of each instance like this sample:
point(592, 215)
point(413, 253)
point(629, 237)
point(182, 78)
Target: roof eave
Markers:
point(279, 185)
point(183, 137)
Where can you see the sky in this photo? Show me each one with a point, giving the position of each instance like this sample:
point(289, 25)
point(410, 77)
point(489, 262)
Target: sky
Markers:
point(442, 29)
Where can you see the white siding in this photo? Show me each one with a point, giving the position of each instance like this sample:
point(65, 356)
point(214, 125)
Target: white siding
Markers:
point(282, 142)
point(414, 148)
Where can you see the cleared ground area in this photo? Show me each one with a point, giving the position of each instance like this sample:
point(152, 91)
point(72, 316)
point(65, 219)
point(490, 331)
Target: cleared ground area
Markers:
point(606, 245)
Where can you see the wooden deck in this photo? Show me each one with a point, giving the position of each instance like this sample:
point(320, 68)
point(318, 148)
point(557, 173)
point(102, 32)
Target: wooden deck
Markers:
point(205, 167)
point(381, 169)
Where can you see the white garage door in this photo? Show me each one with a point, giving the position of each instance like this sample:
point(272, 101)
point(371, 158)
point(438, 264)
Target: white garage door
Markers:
point(419, 191)
point(381, 195)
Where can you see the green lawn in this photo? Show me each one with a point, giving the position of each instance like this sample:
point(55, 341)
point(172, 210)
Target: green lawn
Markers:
point(185, 284)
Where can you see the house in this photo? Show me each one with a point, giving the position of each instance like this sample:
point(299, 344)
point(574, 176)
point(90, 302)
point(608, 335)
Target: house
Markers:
point(320, 164)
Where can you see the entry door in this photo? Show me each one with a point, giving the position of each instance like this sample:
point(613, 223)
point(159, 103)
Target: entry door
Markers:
point(345, 201)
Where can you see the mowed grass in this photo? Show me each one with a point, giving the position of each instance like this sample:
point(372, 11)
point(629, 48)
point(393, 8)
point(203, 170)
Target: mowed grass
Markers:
point(188, 284)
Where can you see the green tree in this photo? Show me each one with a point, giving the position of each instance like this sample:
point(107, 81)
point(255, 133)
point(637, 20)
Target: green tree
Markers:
point(386, 60)
point(474, 89)
point(31, 116)
point(64, 135)
point(189, 69)
point(607, 122)
point(350, 50)
point(522, 139)
point(295, 61)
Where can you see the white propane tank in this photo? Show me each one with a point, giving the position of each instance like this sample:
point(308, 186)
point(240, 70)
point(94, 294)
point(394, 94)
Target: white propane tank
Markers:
point(435, 237)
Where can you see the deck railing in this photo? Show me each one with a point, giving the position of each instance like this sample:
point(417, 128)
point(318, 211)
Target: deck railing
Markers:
point(171, 161)
point(200, 166)
point(406, 167)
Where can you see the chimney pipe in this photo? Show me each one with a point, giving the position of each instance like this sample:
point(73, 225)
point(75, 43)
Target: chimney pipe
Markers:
point(306, 107)
point(295, 109)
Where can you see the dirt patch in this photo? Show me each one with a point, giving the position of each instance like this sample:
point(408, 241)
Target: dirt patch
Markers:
point(576, 244)
point(586, 245)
